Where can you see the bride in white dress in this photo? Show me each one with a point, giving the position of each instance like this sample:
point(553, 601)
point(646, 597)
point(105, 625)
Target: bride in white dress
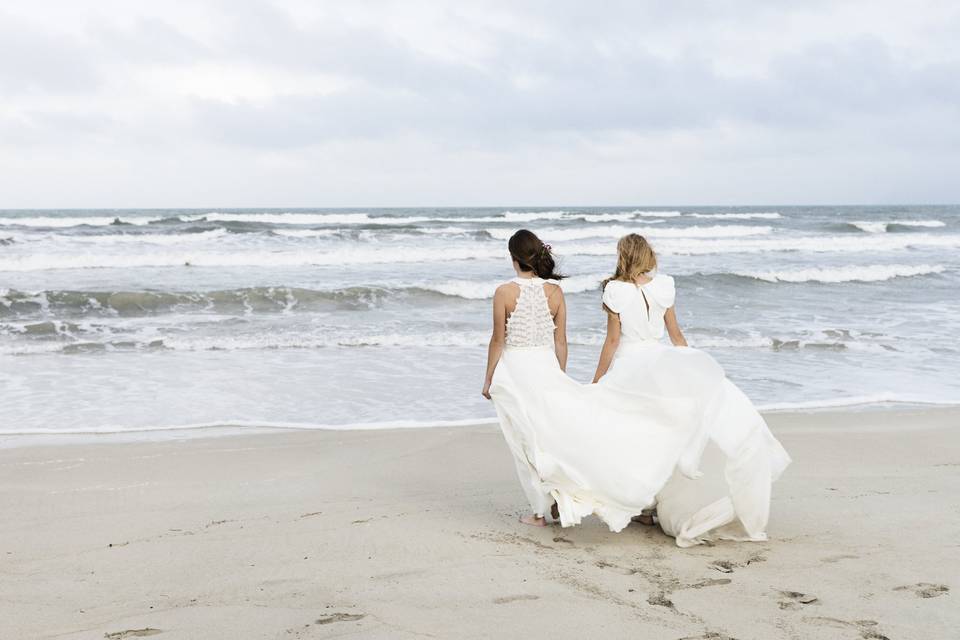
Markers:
point(738, 456)
point(527, 359)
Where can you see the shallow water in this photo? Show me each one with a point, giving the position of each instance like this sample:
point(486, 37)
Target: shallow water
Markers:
point(121, 320)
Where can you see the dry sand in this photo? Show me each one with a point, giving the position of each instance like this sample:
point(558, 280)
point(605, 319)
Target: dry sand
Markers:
point(414, 533)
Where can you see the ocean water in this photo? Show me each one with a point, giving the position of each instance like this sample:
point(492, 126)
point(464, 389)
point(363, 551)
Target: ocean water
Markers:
point(134, 320)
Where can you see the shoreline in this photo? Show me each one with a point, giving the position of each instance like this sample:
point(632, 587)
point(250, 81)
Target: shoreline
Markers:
point(388, 534)
point(15, 439)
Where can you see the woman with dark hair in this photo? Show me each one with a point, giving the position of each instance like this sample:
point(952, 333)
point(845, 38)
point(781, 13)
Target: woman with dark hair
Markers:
point(528, 348)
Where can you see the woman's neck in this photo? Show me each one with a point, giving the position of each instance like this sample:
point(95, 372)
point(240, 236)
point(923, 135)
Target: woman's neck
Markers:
point(643, 278)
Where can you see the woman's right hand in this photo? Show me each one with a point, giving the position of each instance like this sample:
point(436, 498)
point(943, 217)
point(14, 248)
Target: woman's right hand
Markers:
point(486, 390)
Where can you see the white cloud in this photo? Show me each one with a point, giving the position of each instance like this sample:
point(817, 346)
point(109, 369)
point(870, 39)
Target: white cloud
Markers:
point(403, 103)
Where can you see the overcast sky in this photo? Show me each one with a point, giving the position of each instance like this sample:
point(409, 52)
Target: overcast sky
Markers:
point(350, 104)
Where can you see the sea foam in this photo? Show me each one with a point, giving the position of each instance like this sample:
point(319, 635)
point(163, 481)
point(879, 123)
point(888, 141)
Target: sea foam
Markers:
point(615, 231)
point(75, 221)
point(480, 290)
point(767, 215)
point(307, 218)
point(852, 273)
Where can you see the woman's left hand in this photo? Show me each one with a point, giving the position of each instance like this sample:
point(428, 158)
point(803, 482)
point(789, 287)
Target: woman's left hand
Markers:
point(486, 390)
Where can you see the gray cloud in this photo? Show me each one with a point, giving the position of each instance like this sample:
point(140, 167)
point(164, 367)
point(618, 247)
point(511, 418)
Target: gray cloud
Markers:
point(213, 86)
point(149, 40)
point(36, 60)
point(581, 90)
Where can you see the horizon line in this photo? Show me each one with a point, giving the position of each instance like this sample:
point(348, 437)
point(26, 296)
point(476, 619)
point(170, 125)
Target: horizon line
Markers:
point(475, 206)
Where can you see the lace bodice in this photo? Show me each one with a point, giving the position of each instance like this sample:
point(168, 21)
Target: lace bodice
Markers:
point(531, 323)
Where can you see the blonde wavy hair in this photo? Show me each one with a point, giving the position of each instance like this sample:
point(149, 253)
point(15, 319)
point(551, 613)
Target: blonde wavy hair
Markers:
point(635, 257)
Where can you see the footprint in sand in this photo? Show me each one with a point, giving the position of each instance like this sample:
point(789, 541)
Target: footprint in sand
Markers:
point(838, 558)
point(600, 564)
point(132, 633)
point(713, 582)
point(340, 617)
point(709, 635)
point(925, 589)
point(216, 523)
point(795, 599)
point(723, 566)
point(660, 600)
point(508, 599)
point(727, 566)
point(868, 628)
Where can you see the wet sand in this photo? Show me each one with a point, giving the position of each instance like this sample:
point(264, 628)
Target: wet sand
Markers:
point(414, 533)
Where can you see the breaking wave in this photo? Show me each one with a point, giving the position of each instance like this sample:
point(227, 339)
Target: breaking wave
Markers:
point(15, 303)
point(614, 231)
point(246, 258)
point(75, 221)
point(78, 337)
point(306, 218)
point(767, 215)
point(871, 226)
point(853, 273)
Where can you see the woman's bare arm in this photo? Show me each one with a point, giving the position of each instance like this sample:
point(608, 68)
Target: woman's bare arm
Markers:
point(610, 344)
point(673, 328)
point(497, 337)
point(560, 333)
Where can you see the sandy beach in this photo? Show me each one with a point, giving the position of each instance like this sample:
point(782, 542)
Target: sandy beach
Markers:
point(414, 533)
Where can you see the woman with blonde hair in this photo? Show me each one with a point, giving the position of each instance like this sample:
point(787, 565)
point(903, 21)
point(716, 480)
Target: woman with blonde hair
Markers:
point(723, 488)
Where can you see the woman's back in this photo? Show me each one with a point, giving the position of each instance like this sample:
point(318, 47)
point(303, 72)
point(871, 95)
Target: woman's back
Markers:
point(641, 307)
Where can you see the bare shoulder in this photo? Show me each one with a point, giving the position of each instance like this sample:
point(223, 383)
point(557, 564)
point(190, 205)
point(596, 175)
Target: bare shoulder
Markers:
point(507, 289)
point(552, 288)
point(554, 294)
point(613, 285)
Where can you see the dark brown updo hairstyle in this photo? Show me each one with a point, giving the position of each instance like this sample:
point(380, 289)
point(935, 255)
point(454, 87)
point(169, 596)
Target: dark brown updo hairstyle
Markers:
point(533, 255)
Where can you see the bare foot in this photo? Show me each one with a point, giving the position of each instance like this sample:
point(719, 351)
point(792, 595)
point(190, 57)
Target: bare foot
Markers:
point(643, 519)
point(555, 512)
point(533, 521)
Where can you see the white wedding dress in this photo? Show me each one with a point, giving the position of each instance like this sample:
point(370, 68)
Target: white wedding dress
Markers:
point(635, 439)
